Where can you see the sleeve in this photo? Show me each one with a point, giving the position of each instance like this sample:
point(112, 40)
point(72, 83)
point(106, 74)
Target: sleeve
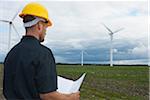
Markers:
point(46, 75)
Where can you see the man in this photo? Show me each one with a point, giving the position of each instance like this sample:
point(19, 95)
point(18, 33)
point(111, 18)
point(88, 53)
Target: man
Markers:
point(29, 67)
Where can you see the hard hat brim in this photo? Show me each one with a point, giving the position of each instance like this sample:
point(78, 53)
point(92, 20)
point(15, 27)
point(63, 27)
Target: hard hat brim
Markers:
point(49, 21)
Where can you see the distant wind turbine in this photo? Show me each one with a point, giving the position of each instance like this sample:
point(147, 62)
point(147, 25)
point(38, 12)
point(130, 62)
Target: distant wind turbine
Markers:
point(11, 25)
point(111, 42)
point(82, 57)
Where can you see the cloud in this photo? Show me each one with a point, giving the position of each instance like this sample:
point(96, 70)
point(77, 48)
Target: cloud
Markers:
point(60, 59)
point(140, 49)
point(77, 26)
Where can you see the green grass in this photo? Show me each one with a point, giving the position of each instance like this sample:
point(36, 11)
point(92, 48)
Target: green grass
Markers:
point(104, 82)
point(107, 83)
point(1, 81)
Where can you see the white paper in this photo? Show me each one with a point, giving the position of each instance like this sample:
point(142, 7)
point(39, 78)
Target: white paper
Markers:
point(68, 86)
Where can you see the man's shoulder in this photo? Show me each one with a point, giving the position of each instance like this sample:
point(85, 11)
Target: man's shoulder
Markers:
point(46, 53)
point(15, 47)
point(45, 49)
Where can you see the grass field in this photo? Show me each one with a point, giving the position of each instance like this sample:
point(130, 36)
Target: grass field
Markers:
point(107, 83)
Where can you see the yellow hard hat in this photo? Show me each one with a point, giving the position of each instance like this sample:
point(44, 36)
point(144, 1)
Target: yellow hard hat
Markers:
point(36, 9)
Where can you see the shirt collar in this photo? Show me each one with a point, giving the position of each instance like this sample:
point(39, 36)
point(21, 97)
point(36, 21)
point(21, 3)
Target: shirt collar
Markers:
point(26, 37)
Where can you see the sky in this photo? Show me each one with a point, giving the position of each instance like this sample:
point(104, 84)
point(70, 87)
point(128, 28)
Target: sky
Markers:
point(77, 26)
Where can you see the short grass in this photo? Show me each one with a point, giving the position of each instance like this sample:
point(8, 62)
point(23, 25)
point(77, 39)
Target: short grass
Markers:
point(1, 81)
point(107, 83)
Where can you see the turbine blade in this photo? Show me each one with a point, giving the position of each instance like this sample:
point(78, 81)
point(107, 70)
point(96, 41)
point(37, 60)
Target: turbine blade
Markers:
point(5, 21)
point(107, 28)
point(16, 13)
point(16, 30)
point(118, 30)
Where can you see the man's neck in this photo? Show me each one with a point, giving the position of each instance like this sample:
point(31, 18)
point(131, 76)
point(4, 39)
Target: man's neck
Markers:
point(32, 33)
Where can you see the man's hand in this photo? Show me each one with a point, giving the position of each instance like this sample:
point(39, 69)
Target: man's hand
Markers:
point(58, 96)
point(75, 96)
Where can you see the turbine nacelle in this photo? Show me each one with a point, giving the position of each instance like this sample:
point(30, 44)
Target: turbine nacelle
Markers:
point(110, 34)
point(10, 22)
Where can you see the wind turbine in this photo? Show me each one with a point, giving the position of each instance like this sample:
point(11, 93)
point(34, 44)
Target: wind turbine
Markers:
point(111, 42)
point(82, 57)
point(11, 25)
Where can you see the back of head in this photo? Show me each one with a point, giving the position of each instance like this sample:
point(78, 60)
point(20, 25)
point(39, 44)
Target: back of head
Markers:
point(28, 18)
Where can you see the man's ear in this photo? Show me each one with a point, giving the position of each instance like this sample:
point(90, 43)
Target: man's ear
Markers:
point(39, 25)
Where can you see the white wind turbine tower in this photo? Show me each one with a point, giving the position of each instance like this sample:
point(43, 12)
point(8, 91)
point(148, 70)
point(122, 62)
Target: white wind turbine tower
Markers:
point(82, 57)
point(111, 42)
point(11, 25)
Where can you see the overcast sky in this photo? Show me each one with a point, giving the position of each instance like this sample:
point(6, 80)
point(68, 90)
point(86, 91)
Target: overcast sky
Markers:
point(77, 26)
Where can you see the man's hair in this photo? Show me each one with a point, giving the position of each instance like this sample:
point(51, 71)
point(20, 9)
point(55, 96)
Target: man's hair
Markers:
point(28, 18)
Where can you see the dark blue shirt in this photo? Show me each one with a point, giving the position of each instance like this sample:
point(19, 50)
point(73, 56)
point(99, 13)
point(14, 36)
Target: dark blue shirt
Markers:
point(29, 69)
